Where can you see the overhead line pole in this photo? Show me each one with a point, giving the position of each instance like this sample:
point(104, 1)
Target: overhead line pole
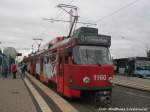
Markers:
point(38, 43)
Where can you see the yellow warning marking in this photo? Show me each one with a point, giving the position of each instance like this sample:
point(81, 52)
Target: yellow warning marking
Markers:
point(61, 103)
point(43, 105)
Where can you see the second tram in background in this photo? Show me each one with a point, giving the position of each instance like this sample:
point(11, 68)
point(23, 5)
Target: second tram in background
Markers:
point(77, 65)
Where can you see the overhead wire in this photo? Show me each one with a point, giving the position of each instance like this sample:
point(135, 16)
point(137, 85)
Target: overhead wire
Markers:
point(116, 11)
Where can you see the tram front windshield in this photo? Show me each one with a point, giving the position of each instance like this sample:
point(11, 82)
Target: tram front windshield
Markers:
point(91, 55)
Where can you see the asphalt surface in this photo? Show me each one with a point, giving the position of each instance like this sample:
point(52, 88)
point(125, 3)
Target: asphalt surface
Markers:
point(123, 100)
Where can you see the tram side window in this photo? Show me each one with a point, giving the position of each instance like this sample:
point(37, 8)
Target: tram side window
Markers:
point(48, 59)
point(44, 60)
point(68, 53)
point(60, 58)
point(53, 58)
point(66, 59)
point(41, 64)
point(76, 56)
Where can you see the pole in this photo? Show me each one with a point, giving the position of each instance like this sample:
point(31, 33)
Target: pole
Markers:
point(38, 43)
point(32, 48)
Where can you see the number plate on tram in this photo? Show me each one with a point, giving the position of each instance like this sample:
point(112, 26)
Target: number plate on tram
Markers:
point(100, 77)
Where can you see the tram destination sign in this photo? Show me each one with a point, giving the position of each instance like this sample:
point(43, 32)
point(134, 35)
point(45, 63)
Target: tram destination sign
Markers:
point(104, 40)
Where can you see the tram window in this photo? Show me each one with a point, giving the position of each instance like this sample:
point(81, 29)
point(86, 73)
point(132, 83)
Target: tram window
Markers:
point(68, 53)
point(60, 59)
point(47, 59)
point(41, 64)
point(53, 57)
point(66, 59)
point(91, 55)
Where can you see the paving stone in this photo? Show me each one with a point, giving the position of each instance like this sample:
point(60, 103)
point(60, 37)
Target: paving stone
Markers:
point(14, 96)
point(133, 82)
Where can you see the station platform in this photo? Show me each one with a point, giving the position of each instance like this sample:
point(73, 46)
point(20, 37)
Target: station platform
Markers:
point(14, 96)
point(132, 82)
point(30, 95)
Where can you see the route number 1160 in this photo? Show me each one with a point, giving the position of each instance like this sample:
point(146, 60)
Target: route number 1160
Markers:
point(100, 77)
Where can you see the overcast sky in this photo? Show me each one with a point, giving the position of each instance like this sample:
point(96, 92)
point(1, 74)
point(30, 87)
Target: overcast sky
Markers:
point(21, 21)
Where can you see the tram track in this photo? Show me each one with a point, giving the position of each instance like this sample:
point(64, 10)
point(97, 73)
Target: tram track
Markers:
point(83, 106)
point(122, 98)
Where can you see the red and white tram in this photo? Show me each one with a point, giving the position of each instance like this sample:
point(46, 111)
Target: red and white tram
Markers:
point(76, 65)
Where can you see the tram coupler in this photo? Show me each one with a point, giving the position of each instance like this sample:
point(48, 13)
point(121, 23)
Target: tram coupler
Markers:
point(103, 98)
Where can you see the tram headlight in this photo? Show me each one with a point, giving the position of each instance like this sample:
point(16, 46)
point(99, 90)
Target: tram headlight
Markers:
point(86, 80)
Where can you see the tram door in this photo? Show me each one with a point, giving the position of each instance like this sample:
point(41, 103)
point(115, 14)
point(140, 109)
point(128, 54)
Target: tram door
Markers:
point(41, 65)
point(61, 73)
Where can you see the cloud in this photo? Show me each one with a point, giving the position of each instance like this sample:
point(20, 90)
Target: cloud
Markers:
point(21, 21)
